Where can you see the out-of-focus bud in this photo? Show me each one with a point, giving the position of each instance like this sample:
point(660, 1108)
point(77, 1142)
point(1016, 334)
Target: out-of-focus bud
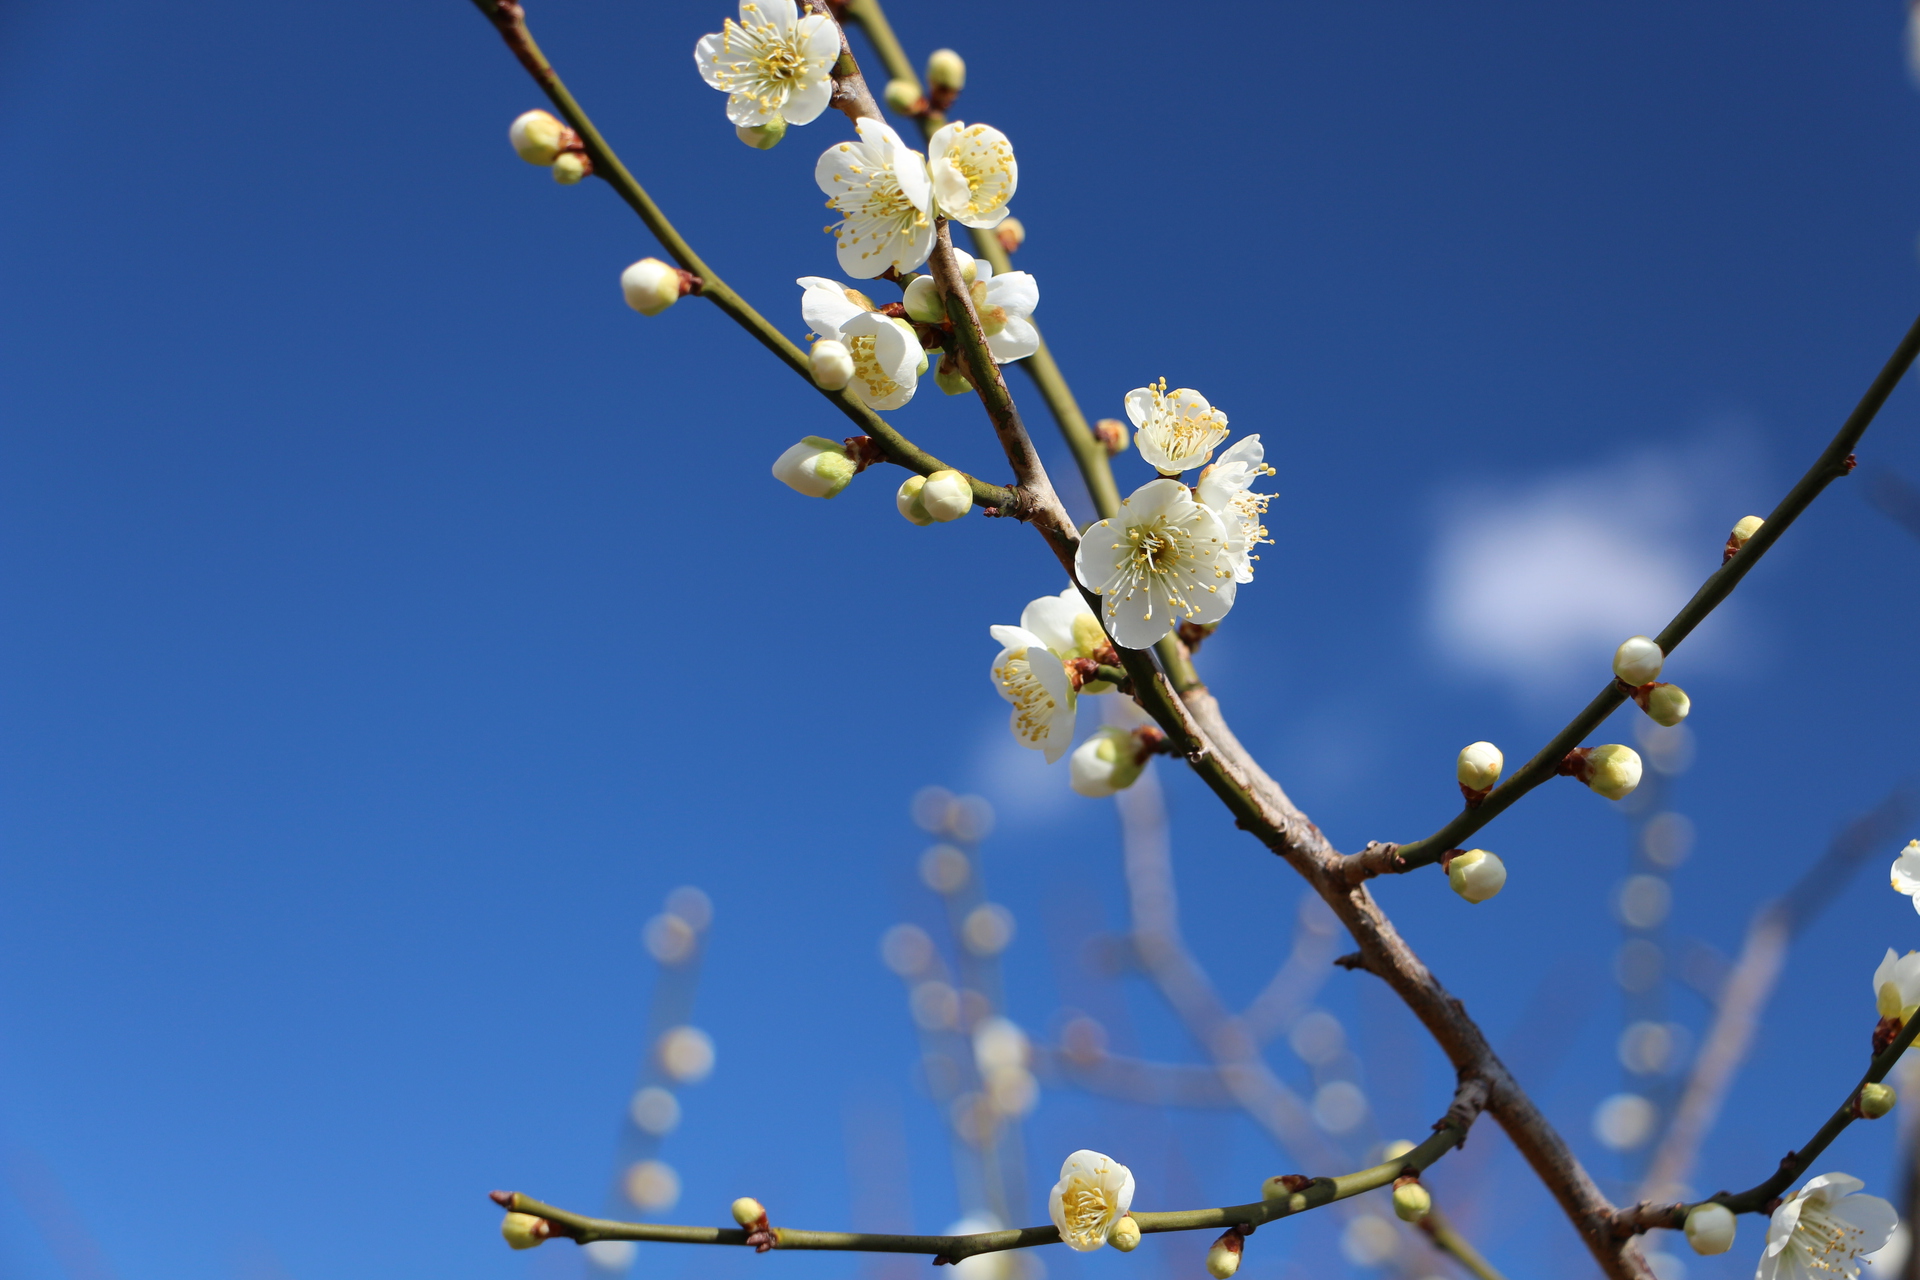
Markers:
point(1710, 1228)
point(946, 70)
point(762, 137)
point(1876, 1100)
point(817, 467)
point(1113, 436)
point(832, 364)
point(1109, 760)
point(1282, 1185)
point(1612, 770)
point(650, 286)
point(1476, 875)
point(1125, 1235)
point(747, 1211)
point(951, 378)
point(902, 96)
point(1224, 1258)
point(912, 502)
point(1011, 233)
point(1411, 1202)
point(571, 166)
point(523, 1230)
point(947, 496)
point(1748, 526)
point(1479, 767)
point(1665, 704)
point(1638, 660)
point(1395, 1150)
point(537, 137)
point(922, 301)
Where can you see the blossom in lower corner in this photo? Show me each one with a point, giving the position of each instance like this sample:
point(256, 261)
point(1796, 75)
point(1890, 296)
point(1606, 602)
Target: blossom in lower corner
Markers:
point(1093, 1194)
point(1158, 561)
point(1906, 872)
point(1174, 431)
point(1226, 487)
point(887, 358)
point(1821, 1231)
point(775, 63)
point(1896, 985)
point(973, 172)
point(880, 187)
point(1034, 679)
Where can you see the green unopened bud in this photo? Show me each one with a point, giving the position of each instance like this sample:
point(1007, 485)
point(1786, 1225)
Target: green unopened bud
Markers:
point(650, 286)
point(903, 96)
point(951, 378)
point(817, 467)
point(570, 167)
point(946, 70)
point(1638, 660)
point(1113, 435)
point(1612, 770)
point(1125, 1235)
point(1710, 1228)
point(1479, 766)
point(1476, 875)
point(1876, 1100)
point(922, 301)
point(523, 1230)
point(910, 501)
point(1011, 233)
point(1665, 704)
point(537, 137)
point(947, 496)
point(1411, 1202)
point(1109, 760)
point(762, 137)
point(832, 364)
point(747, 1211)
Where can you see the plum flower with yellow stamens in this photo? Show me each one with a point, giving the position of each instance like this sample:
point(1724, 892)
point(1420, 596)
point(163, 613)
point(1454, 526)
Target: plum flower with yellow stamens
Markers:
point(1906, 872)
point(1896, 985)
point(880, 187)
point(1034, 679)
point(1820, 1233)
point(1174, 432)
point(1160, 560)
point(974, 173)
point(1226, 488)
point(1093, 1194)
point(887, 359)
point(775, 63)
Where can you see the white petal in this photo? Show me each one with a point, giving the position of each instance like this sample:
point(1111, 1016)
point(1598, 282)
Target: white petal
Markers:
point(1019, 293)
point(825, 306)
point(1051, 618)
point(1018, 340)
point(1871, 1216)
point(1829, 1187)
point(949, 186)
point(1139, 404)
point(806, 102)
point(1247, 449)
point(1906, 873)
point(1099, 556)
point(711, 58)
point(820, 39)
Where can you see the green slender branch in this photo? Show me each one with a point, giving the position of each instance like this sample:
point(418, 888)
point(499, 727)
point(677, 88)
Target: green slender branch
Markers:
point(509, 19)
point(1454, 1245)
point(1835, 460)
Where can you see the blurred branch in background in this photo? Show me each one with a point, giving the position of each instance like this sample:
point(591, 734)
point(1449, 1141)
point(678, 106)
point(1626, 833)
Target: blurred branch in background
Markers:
point(1896, 498)
point(38, 1189)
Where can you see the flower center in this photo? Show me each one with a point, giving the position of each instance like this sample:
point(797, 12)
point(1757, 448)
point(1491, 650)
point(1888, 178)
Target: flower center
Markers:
point(1086, 1207)
point(782, 62)
point(866, 367)
point(1830, 1243)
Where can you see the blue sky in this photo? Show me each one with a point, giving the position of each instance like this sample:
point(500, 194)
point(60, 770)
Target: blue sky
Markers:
point(392, 618)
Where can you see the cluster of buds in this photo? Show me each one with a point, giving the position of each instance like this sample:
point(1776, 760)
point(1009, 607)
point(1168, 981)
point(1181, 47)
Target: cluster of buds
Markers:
point(946, 77)
point(934, 499)
point(1223, 1258)
point(1474, 874)
point(650, 286)
point(1748, 526)
point(1613, 770)
point(1636, 665)
point(1478, 769)
point(539, 138)
point(1112, 759)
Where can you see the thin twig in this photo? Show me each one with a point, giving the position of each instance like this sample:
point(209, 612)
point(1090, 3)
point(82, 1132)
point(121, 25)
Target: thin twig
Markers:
point(1450, 1242)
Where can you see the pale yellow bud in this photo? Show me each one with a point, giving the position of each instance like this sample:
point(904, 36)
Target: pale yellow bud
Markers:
point(1476, 875)
point(747, 1211)
point(946, 70)
point(922, 301)
point(1748, 526)
point(1125, 1235)
point(537, 137)
point(1011, 233)
point(650, 286)
point(523, 1230)
point(910, 501)
point(762, 137)
point(832, 364)
point(902, 96)
point(1613, 771)
point(1638, 660)
point(1876, 1100)
point(1479, 766)
point(817, 467)
point(570, 167)
point(1113, 435)
point(947, 496)
point(1710, 1228)
point(1667, 704)
point(1411, 1202)
point(1222, 1261)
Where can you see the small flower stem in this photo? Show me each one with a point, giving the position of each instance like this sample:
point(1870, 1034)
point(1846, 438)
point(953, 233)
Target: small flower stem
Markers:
point(1833, 462)
point(509, 19)
point(1455, 1246)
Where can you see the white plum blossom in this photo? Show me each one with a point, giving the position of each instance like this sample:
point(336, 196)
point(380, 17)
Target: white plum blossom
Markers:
point(887, 359)
point(1093, 1194)
point(1226, 488)
point(1004, 304)
point(1174, 432)
point(974, 173)
point(775, 63)
point(1896, 984)
point(1034, 679)
point(1065, 625)
point(1820, 1233)
point(1906, 872)
point(1158, 561)
point(880, 187)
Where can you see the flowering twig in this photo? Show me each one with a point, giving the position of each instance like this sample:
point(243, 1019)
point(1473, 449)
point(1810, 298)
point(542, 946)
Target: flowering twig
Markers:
point(1835, 460)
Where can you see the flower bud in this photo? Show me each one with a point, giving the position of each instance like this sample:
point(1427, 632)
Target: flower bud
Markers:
point(1876, 1100)
point(832, 365)
point(762, 137)
point(1748, 526)
point(651, 286)
point(1108, 761)
point(523, 1230)
point(1125, 1235)
point(902, 96)
point(537, 137)
point(1224, 1258)
point(1638, 660)
point(817, 467)
point(1710, 1228)
point(1613, 771)
point(1476, 875)
point(1011, 233)
point(1411, 1202)
point(946, 70)
point(947, 496)
point(922, 301)
point(1665, 704)
point(569, 167)
point(747, 1211)
point(911, 502)
point(1479, 766)
point(951, 377)
point(1113, 436)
